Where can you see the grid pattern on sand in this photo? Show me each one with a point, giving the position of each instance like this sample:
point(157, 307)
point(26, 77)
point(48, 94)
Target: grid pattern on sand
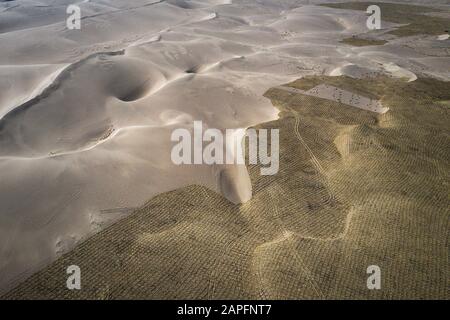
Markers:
point(355, 188)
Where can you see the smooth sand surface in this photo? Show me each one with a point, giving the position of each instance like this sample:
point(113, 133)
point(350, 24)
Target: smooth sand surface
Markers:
point(86, 115)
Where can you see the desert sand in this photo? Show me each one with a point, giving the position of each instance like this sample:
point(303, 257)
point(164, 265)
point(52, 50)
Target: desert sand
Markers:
point(342, 96)
point(355, 188)
point(86, 115)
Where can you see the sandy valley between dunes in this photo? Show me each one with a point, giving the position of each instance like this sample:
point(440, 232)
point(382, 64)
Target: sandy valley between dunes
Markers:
point(86, 115)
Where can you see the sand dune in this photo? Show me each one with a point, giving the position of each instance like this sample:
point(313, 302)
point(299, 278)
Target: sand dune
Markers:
point(86, 116)
point(21, 83)
point(350, 193)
